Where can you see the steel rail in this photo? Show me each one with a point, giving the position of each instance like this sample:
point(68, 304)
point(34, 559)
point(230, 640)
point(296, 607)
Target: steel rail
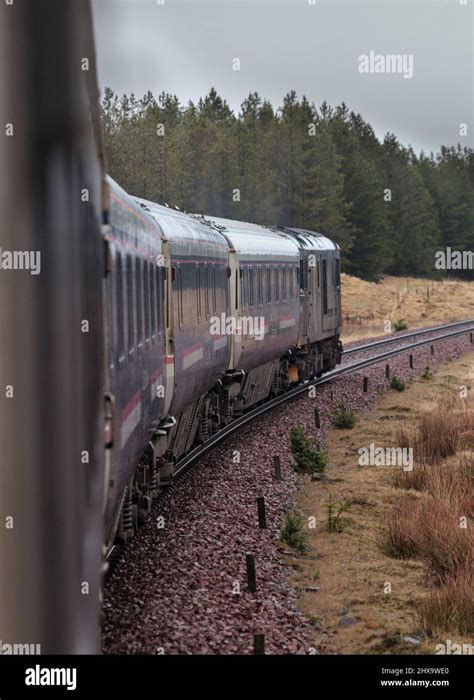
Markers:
point(394, 339)
point(197, 452)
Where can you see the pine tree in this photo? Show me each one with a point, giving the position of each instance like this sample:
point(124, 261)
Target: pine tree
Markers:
point(416, 235)
point(364, 192)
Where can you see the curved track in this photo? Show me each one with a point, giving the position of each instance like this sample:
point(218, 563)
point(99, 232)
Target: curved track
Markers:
point(199, 451)
point(435, 334)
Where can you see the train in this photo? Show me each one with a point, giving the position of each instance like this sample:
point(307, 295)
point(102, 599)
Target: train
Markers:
point(146, 331)
point(205, 318)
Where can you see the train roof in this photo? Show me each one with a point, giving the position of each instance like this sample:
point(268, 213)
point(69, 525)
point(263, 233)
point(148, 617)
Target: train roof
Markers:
point(254, 240)
point(180, 227)
point(312, 240)
point(134, 225)
point(247, 239)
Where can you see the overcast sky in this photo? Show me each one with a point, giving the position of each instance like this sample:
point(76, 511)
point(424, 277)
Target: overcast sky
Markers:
point(187, 46)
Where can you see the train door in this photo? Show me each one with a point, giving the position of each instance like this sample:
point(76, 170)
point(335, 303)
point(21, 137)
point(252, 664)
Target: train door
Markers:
point(337, 289)
point(168, 328)
point(236, 301)
point(304, 299)
point(325, 295)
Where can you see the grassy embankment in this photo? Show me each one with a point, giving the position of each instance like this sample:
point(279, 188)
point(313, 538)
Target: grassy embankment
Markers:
point(400, 563)
point(367, 305)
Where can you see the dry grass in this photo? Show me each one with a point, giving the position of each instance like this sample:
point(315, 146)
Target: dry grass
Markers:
point(448, 482)
point(452, 484)
point(445, 546)
point(349, 567)
point(367, 305)
point(401, 537)
point(440, 433)
point(450, 607)
point(435, 528)
point(431, 531)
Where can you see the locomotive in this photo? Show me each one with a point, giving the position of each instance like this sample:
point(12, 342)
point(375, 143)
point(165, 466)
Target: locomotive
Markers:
point(205, 318)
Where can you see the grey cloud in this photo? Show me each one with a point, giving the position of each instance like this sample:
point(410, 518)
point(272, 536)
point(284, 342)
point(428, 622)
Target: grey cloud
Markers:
point(187, 47)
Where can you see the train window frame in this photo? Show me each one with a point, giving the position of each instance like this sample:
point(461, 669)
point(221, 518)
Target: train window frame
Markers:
point(179, 285)
point(338, 272)
point(251, 287)
point(110, 319)
point(243, 288)
point(325, 288)
point(291, 286)
point(236, 288)
point(159, 287)
point(139, 300)
point(318, 273)
point(214, 289)
point(152, 283)
point(268, 279)
point(146, 292)
point(302, 277)
point(284, 287)
point(198, 293)
point(207, 296)
point(130, 296)
point(120, 308)
point(276, 284)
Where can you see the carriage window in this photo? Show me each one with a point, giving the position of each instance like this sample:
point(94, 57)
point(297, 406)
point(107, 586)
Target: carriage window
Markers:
point(198, 292)
point(251, 287)
point(139, 301)
point(169, 296)
point(214, 290)
point(292, 287)
point(151, 271)
point(318, 272)
point(109, 294)
point(159, 297)
point(283, 291)
point(146, 277)
point(179, 275)
point(119, 290)
point(325, 287)
point(276, 283)
point(259, 286)
point(129, 293)
point(338, 272)
point(207, 291)
point(243, 295)
point(268, 274)
point(236, 289)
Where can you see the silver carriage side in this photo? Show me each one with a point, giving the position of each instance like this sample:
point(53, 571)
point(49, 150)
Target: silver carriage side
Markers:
point(197, 354)
point(265, 304)
point(135, 359)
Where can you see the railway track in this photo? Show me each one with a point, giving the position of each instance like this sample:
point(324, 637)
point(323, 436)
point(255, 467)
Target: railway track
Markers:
point(436, 334)
point(403, 336)
point(187, 461)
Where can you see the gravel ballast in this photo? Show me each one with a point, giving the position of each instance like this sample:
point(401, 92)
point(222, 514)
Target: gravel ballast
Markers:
point(181, 584)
